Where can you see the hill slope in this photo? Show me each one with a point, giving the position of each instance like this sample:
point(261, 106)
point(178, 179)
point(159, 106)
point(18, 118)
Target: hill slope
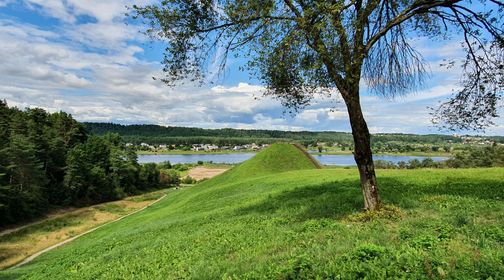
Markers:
point(298, 225)
point(277, 158)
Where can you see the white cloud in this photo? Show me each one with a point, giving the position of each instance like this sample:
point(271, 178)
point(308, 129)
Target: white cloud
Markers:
point(240, 88)
point(53, 8)
point(92, 70)
point(4, 3)
point(441, 91)
point(69, 10)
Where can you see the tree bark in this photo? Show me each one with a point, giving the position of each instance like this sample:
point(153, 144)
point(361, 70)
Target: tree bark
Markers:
point(362, 151)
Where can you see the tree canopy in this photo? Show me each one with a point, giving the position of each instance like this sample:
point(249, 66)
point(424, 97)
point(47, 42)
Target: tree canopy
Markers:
point(302, 48)
point(50, 160)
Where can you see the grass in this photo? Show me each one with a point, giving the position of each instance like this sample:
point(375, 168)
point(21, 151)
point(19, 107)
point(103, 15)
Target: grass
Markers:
point(298, 222)
point(19, 244)
point(277, 158)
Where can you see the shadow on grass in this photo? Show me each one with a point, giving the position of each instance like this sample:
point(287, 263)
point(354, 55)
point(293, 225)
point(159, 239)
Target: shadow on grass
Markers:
point(399, 191)
point(341, 198)
point(328, 200)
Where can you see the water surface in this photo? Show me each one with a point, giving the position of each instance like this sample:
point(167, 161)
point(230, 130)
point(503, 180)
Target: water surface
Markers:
point(342, 160)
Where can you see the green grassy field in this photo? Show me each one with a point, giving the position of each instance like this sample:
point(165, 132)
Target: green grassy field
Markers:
point(278, 217)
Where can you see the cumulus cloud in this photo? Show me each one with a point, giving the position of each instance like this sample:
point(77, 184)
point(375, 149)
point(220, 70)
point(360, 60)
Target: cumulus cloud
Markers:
point(90, 64)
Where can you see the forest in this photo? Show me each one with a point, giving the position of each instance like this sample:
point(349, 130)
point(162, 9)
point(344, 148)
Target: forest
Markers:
point(49, 160)
point(156, 134)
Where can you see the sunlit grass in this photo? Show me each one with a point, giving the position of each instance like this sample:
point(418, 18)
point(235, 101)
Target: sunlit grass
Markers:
point(300, 224)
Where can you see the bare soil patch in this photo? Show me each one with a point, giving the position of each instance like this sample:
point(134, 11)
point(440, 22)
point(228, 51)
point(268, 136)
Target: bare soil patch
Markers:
point(202, 172)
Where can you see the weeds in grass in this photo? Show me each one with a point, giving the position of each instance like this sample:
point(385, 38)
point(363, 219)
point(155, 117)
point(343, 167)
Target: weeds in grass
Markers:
point(385, 212)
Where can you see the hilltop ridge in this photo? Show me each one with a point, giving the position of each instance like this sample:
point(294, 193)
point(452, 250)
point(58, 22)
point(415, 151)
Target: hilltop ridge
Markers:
point(277, 158)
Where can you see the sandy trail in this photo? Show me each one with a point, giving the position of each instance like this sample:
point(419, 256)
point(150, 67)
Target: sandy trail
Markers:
point(202, 172)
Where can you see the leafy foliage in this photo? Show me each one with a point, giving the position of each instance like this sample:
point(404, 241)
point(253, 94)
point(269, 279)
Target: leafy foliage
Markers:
point(299, 49)
point(48, 160)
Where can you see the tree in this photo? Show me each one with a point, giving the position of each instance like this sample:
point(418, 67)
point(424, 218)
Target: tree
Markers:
point(302, 48)
point(25, 177)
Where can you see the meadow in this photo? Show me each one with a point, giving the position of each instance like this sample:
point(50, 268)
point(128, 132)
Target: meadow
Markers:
point(279, 216)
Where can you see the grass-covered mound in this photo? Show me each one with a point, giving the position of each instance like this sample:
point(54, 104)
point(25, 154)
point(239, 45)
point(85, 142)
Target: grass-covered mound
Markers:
point(277, 158)
point(301, 224)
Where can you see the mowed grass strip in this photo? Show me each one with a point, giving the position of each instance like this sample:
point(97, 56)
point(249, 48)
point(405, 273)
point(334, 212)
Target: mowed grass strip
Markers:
point(17, 245)
point(300, 224)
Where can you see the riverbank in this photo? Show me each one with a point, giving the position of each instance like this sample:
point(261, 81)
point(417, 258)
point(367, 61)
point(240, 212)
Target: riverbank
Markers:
point(411, 154)
point(336, 153)
point(181, 152)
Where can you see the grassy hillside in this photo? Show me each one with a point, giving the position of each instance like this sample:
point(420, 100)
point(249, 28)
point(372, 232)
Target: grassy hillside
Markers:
point(277, 158)
point(299, 224)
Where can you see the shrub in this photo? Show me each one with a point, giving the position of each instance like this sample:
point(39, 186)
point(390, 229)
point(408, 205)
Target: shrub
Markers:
point(165, 165)
point(387, 212)
point(180, 167)
point(188, 180)
point(368, 251)
point(384, 164)
point(170, 177)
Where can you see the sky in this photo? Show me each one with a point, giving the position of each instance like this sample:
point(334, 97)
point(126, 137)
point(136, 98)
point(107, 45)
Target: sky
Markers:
point(85, 58)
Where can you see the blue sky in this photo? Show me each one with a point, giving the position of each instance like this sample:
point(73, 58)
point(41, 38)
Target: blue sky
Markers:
point(79, 56)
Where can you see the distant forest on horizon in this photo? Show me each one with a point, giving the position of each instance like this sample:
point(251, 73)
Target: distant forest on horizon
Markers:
point(157, 134)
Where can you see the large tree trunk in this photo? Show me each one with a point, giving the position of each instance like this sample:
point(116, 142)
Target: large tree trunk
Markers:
point(362, 152)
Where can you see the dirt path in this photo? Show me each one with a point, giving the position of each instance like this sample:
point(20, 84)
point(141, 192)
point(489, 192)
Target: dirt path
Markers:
point(202, 172)
point(32, 257)
point(22, 244)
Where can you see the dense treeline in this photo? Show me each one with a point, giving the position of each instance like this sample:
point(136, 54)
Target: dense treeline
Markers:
point(471, 157)
point(155, 134)
point(491, 156)
point(50, 160)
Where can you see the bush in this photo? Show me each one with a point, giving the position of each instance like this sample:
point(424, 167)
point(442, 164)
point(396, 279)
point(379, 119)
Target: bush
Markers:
point(180, 167)
point(384, 164)
point(200, 162)
point(165, 165)
point(149, 176)
point(368, 251)
point(188, 180)
point(169, 177)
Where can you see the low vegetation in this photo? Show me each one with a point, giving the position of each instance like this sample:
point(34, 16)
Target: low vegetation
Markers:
point(491, 156)
point(279, 217)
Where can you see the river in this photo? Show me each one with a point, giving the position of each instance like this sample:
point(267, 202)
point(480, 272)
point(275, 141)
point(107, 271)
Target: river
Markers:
point(342, 160)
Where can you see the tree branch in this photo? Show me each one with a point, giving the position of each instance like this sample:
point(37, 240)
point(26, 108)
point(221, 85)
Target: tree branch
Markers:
point(418, 7)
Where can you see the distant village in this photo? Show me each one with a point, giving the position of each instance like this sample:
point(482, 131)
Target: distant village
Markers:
point(198, 147)
point(392, 146)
